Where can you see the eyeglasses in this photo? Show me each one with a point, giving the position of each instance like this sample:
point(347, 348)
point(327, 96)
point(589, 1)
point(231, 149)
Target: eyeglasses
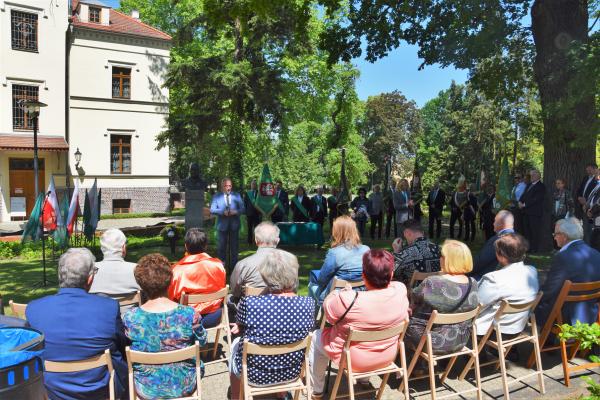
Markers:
point(95, 270)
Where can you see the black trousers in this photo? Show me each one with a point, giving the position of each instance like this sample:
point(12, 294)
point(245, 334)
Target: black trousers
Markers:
point(390, 220)
point(252, 221)
point(532, 225)
point(595, 239)
point(469, 229)
point(435, 219)
point(376, 221)
point(455, 215)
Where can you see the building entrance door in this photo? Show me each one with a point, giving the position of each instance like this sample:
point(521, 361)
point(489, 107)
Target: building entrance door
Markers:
point(22, 186)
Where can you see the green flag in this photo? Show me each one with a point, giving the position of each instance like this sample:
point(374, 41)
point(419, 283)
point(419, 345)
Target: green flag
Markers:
point(266, 201)
point(504, 185)
point(33, 228)
point(60, 234)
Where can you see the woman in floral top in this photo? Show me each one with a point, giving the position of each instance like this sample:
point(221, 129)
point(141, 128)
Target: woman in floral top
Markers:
point(162, 325)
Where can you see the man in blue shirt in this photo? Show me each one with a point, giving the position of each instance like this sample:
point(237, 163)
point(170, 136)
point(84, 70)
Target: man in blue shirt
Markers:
point(227, 206)
point(76, 326)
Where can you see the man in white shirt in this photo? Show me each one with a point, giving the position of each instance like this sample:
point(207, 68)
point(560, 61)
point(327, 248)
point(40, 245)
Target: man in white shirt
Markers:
point(115, 275)
point(514, 282)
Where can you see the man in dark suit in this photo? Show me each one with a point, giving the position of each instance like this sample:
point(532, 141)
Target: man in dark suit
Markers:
point(435, 201)
point(283, 207)
point(319, 207)
point(227, 206)
point(486, 261)
point(253, 216)
point(576, 262)
point(531, 205)
point(78, 325)
point(588, 183)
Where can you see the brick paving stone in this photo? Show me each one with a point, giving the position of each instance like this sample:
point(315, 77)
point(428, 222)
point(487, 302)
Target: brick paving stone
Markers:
point(215, 384)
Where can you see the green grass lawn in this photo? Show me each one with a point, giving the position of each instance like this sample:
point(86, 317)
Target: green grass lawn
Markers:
point(18, 276)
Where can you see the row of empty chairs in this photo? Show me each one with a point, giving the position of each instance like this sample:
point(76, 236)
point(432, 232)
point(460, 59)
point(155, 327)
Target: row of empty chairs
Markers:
point(570, 293)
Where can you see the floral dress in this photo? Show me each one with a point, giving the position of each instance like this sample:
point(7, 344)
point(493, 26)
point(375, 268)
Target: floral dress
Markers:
point(155, 332)
point(443, 295)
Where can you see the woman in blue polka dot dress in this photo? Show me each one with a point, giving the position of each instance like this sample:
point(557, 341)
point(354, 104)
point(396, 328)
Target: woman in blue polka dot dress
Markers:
point(278, 317)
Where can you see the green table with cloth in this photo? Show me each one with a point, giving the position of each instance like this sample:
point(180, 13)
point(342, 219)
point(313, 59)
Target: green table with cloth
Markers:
point(297, 233)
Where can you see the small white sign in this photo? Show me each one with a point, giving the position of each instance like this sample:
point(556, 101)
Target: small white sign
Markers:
point(18, 206)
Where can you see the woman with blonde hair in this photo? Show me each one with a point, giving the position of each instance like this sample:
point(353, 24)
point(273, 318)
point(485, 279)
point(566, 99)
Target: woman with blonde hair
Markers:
point(449, 293)
point(343, 260)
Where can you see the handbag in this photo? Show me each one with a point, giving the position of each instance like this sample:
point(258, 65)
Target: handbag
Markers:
point(349, 308)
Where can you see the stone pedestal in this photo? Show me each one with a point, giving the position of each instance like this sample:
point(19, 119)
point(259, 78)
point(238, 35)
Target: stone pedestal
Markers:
point(194, 208)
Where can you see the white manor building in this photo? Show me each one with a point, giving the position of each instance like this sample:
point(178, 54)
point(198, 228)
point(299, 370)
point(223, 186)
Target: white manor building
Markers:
point(101, 74)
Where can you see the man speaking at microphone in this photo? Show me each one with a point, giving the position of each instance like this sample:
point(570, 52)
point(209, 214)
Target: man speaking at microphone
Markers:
point(227, 206)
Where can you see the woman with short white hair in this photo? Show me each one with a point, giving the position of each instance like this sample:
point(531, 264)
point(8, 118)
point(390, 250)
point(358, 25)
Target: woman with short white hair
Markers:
point(275, 318)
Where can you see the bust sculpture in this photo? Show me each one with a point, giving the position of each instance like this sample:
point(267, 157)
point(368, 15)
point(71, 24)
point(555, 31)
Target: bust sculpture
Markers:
point(194, 180)
point(194, 198)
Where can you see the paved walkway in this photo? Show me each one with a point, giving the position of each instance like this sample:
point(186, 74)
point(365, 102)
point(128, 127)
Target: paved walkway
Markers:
point(215, 384)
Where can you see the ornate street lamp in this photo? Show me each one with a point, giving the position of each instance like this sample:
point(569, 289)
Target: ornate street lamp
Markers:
point(32, 108)
point(77, 158)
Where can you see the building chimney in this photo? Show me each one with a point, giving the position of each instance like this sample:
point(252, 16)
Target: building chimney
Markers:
point(135, 14)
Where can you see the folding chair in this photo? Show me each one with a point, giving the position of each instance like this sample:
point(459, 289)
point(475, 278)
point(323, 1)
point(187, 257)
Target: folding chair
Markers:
point(345, 365)
point(18, 309)
point(101, 360)
point(187, 299)
point(570, 293)
point(335, 285)
point(248, 391)
point(167, 357)
point(128, 299)
point(427, 354)
point(418, 276)
point(504, 346)
point(253, 291)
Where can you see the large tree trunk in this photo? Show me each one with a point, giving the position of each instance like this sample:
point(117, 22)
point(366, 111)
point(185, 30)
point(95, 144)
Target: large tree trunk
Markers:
point(569, 113)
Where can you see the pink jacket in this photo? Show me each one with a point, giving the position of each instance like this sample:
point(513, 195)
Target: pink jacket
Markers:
point(373, 310)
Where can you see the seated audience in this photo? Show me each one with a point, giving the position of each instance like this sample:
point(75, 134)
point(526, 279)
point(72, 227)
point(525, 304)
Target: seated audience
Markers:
point(514, 282)
point(347, 309)
point(577, 262)
point(245, 273)
point(199, 273)
point(452, 292)
point(78, 325)
point(343, 260)
point(161, 325)
point(486, 261)
point(278, 317)
point(420, 254)
point(115, 275)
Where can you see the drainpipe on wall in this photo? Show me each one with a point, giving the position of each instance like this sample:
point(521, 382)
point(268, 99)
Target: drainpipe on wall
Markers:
point(67, 97)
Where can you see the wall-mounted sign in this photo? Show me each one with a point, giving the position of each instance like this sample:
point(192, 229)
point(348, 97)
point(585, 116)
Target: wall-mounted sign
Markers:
point(18, 206)
point(19, 191)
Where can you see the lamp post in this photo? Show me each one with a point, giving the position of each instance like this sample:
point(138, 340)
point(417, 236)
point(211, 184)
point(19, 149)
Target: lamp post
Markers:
point(77, 158)
point(32, 108)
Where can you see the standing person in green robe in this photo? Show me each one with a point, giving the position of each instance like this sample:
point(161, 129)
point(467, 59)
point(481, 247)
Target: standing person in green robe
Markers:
point(253, 216)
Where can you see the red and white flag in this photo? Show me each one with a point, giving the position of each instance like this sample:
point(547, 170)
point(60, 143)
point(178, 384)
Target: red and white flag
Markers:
point(73, 209)
point(51, 213)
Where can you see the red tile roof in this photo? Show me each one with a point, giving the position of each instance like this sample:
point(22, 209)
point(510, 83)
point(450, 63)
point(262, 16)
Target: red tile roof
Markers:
point(120, 23)
point(24, 141)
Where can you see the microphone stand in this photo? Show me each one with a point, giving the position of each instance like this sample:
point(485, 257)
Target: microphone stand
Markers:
point(44, 283)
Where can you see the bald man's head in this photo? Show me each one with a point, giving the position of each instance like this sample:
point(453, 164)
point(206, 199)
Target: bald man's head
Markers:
point(504, 220)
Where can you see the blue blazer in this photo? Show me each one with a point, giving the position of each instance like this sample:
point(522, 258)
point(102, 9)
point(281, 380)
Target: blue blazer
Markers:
point(486, 261)
point(78, 325)
point(218, 206)
point(578, 263)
